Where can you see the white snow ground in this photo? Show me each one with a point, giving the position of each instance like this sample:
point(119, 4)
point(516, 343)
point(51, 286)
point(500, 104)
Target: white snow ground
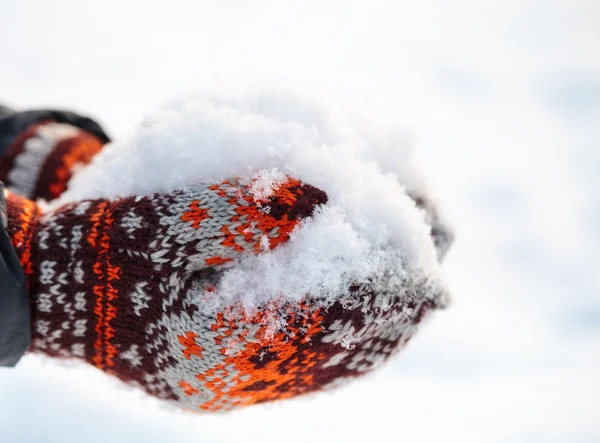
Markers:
point(503, 103)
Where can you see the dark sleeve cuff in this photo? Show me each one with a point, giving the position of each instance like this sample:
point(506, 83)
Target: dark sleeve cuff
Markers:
point(15, 311)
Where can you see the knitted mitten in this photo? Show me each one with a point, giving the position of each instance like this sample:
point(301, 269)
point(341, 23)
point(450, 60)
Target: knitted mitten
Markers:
point(116, 283)
point(39, 159)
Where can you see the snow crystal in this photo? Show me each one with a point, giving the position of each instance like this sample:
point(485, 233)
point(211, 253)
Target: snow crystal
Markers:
point(265, 183)
point(370, 230)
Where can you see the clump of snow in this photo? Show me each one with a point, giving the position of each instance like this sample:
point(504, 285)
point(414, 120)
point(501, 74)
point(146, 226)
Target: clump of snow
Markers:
point(370, 228)
point(265, 183)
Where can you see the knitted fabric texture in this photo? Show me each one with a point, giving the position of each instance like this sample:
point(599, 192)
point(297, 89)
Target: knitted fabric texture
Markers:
point(40, 161)
point(110, 283)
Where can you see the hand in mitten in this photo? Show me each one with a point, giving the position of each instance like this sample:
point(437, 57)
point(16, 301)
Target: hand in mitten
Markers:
point(111, 283)
point(124, 285)
point(40, 150)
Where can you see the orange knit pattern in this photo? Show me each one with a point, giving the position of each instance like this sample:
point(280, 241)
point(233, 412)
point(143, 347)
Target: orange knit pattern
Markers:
point(77, 151)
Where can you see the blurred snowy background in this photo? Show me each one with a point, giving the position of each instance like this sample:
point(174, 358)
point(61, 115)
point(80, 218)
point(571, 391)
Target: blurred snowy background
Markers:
point(502, 101)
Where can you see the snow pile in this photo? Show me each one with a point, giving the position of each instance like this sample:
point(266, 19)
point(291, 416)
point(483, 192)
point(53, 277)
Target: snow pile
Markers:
point(369, 230)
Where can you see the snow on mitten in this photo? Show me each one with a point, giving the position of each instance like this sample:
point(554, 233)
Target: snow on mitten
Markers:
point(441, 232)
point(40, 150)
point(108, 283)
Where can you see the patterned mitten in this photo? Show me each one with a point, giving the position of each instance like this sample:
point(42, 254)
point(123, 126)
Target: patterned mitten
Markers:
point(109, 283)
point(116, 283)
point(40, 150)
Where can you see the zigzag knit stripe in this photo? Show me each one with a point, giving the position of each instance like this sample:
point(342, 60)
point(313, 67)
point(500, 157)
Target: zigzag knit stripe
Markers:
point(35, 145)
point(68, 154)
point(41, 160)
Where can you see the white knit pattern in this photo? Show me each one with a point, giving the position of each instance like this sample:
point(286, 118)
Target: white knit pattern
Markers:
point(28, 165)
